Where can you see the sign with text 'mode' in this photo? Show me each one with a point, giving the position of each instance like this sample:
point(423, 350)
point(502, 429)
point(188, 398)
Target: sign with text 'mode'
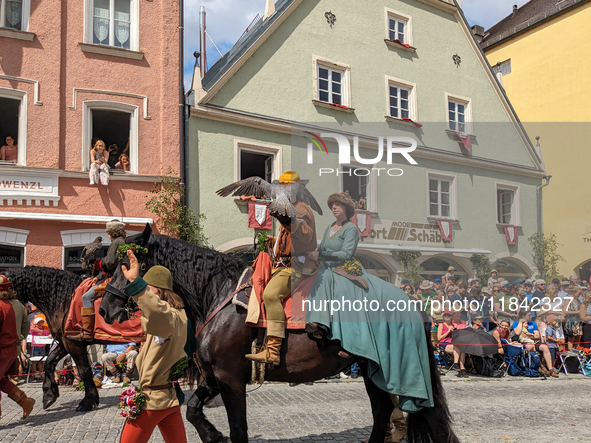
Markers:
point(403, 232)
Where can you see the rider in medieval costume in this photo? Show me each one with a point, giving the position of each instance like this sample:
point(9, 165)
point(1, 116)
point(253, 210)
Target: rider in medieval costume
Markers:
point(116, 232)
point(393, 341)
point(296, 238)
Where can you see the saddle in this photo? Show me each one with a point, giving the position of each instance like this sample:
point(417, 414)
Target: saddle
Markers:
point(249, 295)
point(126, 332)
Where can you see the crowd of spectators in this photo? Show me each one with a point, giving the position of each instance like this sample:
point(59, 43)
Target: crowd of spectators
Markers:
point(546, 317)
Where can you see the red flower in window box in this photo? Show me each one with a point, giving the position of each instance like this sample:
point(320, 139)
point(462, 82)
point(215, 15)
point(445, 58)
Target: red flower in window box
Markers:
point(339, 106)
point(417, 124)
point(400, 43)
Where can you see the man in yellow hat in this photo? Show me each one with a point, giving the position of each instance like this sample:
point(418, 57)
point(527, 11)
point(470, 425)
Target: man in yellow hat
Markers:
point(296, 238)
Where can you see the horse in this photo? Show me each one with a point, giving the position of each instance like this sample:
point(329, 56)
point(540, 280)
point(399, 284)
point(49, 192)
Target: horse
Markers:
point(51, 290)
point(205, 278)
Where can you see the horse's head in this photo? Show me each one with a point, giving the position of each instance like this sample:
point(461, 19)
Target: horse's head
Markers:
point(116, 305)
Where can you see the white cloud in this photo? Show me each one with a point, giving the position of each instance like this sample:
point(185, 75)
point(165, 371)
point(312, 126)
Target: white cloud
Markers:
point(487, 13)
point(226, 21)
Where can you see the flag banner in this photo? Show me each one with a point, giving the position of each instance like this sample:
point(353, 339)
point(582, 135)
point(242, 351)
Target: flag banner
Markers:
point(447, 229)
point(259, 216)
point(466, 141)
point(511, 234)
point(363, 223)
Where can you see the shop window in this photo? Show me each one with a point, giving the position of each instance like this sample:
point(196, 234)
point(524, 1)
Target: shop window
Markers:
point(72, 258)
point(11, 257)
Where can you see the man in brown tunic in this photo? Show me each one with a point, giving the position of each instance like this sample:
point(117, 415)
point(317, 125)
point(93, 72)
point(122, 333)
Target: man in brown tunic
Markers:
point(296, 238)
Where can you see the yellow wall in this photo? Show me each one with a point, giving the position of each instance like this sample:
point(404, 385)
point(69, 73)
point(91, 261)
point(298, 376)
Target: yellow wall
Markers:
point(550, 88)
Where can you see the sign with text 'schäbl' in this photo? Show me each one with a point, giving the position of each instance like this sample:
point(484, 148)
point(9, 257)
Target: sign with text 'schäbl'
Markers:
point(26, 188)
point(403, 232)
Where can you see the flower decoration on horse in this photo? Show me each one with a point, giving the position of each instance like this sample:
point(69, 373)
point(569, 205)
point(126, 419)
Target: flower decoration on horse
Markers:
point(135, 248)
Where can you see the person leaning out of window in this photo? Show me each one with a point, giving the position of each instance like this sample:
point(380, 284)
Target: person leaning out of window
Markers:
point(9, 152)
point(165, 324)
point(99, 164)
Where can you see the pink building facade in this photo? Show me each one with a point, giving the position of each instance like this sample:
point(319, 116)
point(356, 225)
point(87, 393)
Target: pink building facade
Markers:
point(73, 72)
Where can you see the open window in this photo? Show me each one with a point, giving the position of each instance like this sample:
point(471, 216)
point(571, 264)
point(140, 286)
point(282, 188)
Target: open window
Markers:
point(14, 14)
point(112, 23)
point(256, 160)
point(117, 126)
point(13, 125)
point(355, 182)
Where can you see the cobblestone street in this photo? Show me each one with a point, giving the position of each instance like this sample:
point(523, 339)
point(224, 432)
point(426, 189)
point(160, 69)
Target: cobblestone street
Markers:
point(545, 411)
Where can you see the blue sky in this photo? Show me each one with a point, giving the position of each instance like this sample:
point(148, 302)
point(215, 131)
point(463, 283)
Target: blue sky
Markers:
point(227, 20)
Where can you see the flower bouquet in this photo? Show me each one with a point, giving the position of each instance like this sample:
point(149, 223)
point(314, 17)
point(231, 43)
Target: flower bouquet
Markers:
point(584, 351)
point(352, 270)
point(131, 401)
point(135, 248)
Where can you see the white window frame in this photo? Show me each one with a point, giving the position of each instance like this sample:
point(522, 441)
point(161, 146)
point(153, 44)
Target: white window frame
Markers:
point(453, 195)
point(412, 98)
point(25, 18)
point(371, 195)
point(103, 105)
point(16, 238)
point(134, 31)
point(467, 102)
point(515, 206)
point(400, 17)
point(258, 148)
point(346, 78)
point(22, 96)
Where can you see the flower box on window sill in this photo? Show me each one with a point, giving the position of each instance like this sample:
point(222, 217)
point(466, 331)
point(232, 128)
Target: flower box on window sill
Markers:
point(455, 133)
point(111, 50)
point(398, 44)
point(334, 106)
point(15, 33)
point(403, 121)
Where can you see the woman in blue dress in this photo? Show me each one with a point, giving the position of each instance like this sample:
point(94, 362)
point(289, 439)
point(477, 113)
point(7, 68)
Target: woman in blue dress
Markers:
point(368, 323)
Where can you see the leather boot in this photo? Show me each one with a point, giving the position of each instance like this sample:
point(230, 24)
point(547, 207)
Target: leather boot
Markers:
point(127, 376)
point(87, 331)
point(399, 425)
point(22, 400)
point(116, 375)
point(269, 354)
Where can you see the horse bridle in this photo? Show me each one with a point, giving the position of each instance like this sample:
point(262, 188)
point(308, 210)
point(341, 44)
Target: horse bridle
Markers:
point(130, 305)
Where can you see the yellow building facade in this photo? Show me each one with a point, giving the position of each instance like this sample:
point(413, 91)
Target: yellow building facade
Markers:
point(545, 69)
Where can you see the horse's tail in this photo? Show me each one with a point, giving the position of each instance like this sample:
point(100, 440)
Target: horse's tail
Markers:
point(432, 424)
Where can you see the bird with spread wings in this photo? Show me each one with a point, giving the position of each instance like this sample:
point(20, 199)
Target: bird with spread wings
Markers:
point(283, 197)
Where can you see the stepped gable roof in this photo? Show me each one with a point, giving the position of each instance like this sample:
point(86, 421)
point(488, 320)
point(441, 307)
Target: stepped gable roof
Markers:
point(532, 13)
point(217, 71)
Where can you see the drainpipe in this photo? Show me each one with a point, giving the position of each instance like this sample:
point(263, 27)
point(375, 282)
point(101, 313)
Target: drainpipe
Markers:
point(182, 137)
point(539, 195)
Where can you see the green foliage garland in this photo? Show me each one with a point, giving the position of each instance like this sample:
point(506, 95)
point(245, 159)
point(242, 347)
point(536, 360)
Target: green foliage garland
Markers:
point(136, 249)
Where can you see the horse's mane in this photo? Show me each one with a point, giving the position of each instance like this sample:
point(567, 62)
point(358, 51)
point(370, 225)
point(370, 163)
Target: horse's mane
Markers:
point(201, 276)
point(49, 289)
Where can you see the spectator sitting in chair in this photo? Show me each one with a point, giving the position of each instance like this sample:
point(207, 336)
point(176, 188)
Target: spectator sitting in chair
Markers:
point(502, 332)
point(117, 354)
point(477, 323)
point(444, 333)
point(527, 329)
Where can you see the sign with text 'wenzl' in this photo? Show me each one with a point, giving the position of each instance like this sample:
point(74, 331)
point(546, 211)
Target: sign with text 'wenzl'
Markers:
point(402, 232)
point(29, 188)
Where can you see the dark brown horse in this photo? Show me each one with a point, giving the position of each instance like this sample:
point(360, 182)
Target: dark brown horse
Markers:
point(51, 290)
point(204, 278)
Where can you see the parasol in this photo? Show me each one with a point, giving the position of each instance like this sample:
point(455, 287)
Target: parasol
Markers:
point(474, 342)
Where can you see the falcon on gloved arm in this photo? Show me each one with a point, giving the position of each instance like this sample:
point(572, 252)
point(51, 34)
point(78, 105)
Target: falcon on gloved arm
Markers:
point(90, 253)
point(282, 196)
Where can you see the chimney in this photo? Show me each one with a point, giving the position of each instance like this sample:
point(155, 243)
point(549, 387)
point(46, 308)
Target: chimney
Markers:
point(202, 43)
point(478, 32)
point(269, 9)
point(514, 9)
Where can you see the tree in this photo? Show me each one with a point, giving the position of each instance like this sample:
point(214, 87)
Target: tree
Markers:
point(412, 268)
point(544, 254)
point(174, 218)
point(482, 267)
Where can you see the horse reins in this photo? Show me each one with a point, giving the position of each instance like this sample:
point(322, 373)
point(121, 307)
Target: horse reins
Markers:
point(128, 299)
